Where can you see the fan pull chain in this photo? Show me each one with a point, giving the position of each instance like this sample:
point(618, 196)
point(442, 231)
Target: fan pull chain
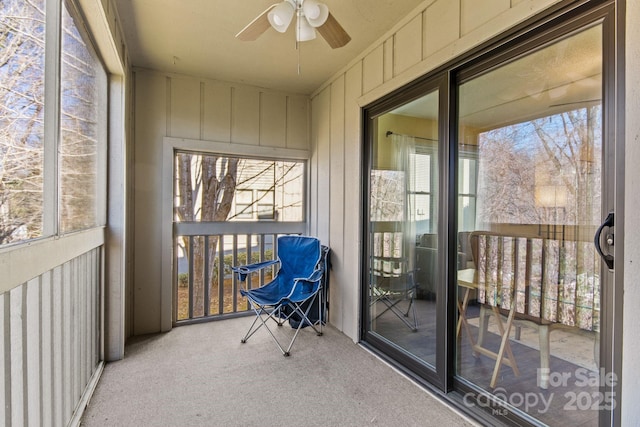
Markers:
point(297, 42)
point(298, 49)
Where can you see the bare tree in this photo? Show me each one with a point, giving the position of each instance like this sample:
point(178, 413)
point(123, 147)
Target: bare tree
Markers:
point(560, 152)
point(506, 186)
point(21, 118)
point(22, 138)
point(206, 186)
point(82, 86)
point(572, 148)
point(208, 197)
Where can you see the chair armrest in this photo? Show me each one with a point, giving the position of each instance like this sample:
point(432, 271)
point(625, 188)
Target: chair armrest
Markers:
point(298, 293)
point(244, 270)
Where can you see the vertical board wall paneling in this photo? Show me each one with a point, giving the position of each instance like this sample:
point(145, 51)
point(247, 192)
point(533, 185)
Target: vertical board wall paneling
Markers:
point(245, 116)
point(83, 302)
point(18, 356)
point(352, 222)
point(151, 123)
point(76, 360)
point(58, 347)
point(273, 120)
point(216, 114)
point(387, 66)
point(185, 108)
point(46, 305)
point(34, 350)
point(441, 26)
point(5, 360)
point(322, 163)
point(47, 356)
point(373, 69)
point(474, 14)
point(298, 122)
point(336, 190)
point(92, 304)
point(408, 46)
point(313, 169)
point(67, 349)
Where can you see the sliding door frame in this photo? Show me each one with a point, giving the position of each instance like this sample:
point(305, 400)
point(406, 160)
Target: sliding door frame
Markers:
point(412, 365)
point(558, 21)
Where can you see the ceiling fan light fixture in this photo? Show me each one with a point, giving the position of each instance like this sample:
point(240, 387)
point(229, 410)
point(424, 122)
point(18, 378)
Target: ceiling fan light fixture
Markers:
point(280, 16)
point(311, 15)
point(316, 13)
point(304, 31)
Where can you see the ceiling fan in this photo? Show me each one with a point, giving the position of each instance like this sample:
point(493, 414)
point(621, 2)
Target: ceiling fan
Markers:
point(311, 16)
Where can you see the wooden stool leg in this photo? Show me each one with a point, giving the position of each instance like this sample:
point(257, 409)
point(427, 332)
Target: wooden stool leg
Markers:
point(483, 324)
point(504, 347)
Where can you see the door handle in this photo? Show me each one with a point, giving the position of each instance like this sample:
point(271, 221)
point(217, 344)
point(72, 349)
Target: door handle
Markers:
point(608, 222)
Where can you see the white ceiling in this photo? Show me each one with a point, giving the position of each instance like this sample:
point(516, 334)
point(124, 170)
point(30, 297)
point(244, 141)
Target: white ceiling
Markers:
point(197, 37)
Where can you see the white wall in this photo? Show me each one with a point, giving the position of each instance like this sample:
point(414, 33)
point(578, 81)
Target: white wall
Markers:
point(212, 113)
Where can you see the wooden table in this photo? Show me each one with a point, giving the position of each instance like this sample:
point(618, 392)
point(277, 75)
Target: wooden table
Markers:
point(468, 279)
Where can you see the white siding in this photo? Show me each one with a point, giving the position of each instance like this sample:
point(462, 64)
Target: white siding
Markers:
point(176, 106)
point(50, 346)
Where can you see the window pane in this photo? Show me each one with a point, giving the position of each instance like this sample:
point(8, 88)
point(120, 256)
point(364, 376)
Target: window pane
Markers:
point(221, 188)
point(21, 119)
point(402, 241)
point(421, 180)
point(83, 83)
point(536, 126)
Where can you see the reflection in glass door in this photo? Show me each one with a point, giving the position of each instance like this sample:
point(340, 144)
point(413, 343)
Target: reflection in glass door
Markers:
point(403, 238)
point(529, 203)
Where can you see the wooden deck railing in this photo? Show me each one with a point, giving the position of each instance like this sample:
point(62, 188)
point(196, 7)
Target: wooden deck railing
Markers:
point(204, 253)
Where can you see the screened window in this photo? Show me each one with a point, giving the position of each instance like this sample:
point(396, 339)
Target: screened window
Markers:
point(211, 187)
point(52, 181)
point(22, 51)
point(81, 108)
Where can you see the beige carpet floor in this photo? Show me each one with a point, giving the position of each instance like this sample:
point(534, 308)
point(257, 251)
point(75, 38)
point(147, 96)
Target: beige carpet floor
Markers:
point(201, 375)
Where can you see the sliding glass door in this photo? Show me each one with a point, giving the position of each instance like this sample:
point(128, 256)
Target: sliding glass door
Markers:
point(402, 229)
point(530, 329)
point(488, 265)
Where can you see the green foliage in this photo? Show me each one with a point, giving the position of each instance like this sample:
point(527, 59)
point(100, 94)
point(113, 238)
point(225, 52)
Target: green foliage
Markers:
point(241, 260)
point(183, 278)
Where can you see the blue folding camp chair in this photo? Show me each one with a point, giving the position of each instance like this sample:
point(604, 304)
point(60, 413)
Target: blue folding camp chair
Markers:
point(296, 294)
